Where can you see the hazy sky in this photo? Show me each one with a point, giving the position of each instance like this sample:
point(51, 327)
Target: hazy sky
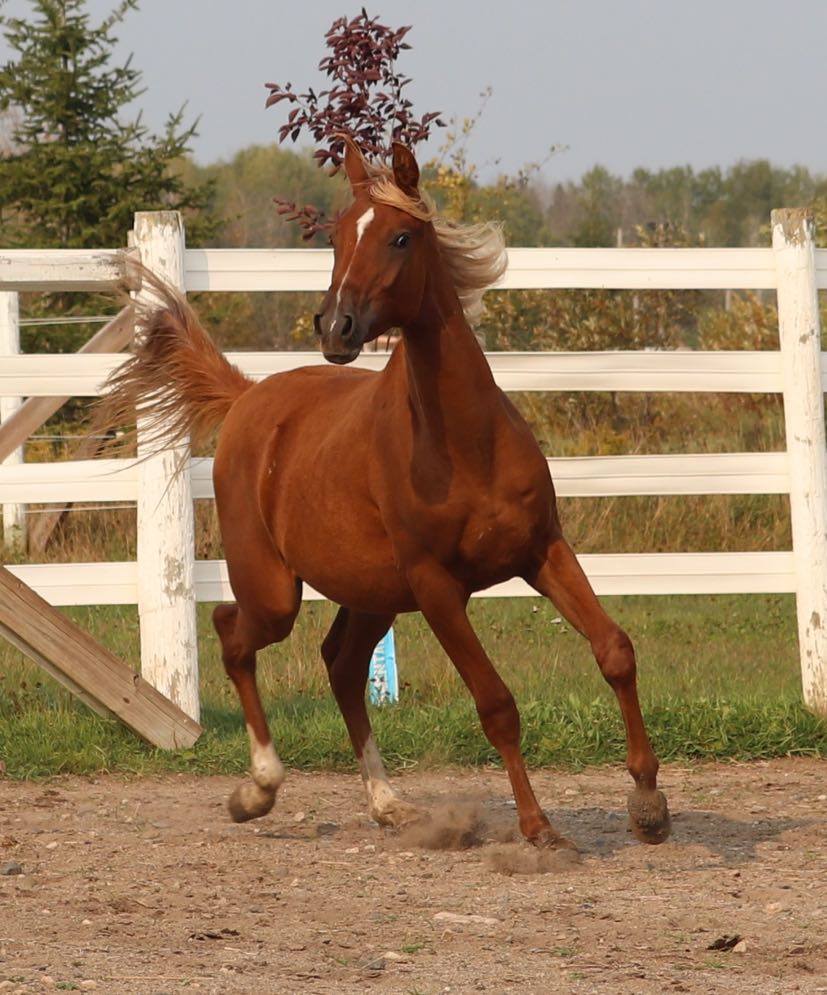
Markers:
point(620, 82)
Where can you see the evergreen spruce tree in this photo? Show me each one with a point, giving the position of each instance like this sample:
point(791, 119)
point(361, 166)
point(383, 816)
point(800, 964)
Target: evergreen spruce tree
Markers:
point(79, 166)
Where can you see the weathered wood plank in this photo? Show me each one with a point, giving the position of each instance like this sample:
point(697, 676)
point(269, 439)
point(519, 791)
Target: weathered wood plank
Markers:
point(88, 669)
point(66, 269)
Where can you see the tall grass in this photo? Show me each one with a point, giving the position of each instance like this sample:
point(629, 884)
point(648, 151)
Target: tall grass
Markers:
point(718, 679)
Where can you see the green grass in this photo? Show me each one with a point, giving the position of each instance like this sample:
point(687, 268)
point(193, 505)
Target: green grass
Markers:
point(718, 679)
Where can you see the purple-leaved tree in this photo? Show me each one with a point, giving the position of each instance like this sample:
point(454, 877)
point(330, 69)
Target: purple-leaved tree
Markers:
point(365, 100)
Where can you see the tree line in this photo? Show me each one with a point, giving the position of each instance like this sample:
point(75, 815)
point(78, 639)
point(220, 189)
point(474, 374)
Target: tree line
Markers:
point(75, 164)
point(679, 205)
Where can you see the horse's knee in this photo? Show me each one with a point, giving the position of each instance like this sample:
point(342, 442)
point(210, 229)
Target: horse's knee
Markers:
point(616, 658)
point(243, 632)
point(279, 628)
point(223, 620)
point(499, 717)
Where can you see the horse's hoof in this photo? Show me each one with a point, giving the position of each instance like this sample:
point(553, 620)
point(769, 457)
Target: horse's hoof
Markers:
point(397, 814)
point(549, 839)
point(249, 801)
point(649, 815)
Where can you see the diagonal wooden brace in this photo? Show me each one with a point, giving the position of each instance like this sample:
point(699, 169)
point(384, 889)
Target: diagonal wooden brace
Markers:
point(90, 671)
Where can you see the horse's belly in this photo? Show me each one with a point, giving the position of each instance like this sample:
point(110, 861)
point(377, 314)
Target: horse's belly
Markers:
point(372, 590)
point(376, 597)
point(351, 567)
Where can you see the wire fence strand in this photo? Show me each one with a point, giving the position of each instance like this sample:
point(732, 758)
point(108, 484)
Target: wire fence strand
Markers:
point(72, 319)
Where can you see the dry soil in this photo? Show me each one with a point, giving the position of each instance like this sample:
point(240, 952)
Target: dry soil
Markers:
point(144, 886)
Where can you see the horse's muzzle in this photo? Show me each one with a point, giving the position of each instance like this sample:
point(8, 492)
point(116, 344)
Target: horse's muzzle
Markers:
point(341, 358)
point(339, 334)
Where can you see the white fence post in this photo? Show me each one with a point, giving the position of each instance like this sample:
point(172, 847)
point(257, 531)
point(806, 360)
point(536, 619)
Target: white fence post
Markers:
point(14, 515)
point(166, 531)
point(793, 241)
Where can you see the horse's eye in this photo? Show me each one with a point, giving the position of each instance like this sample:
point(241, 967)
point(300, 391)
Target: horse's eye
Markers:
point(401, 240)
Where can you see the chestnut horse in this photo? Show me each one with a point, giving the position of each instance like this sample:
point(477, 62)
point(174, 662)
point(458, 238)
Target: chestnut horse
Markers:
point(405, 490)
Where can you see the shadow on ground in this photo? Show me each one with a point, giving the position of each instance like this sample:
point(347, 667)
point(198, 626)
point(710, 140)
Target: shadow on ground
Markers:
point(602, 832)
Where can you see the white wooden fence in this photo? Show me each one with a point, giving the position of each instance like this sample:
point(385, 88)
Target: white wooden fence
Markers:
point(13, 515)
point(166, 580)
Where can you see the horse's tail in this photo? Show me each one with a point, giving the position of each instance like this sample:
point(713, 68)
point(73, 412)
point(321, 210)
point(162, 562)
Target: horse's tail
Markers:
point(177, 378)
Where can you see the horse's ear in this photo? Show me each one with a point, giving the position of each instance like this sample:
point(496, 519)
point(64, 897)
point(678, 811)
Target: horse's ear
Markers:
point(405, 170)
point(355, 166)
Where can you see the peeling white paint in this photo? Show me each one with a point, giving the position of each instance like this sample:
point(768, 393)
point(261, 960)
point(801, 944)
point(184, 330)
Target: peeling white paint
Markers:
point(800, 335)
point(166, 529)
point(13, 516)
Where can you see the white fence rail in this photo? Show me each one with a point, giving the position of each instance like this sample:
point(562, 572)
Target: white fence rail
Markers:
point(574, 476)
point(681, 370)
point(309, 269)
point(792, 267)
point(610, 573)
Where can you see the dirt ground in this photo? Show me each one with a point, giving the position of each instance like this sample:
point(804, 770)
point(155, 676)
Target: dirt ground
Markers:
point(144, 886)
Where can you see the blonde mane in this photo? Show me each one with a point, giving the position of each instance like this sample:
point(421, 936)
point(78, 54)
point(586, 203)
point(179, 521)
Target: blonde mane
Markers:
point(475, 254)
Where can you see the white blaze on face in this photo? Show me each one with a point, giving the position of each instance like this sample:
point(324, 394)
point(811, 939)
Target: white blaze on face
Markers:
point(380, 793)
point(265, 767)
point(361, 227)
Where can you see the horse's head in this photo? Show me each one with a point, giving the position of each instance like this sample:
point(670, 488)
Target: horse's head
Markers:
point(379, 264)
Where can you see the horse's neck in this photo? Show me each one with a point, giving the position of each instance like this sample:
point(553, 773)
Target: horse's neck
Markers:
point(450, 386)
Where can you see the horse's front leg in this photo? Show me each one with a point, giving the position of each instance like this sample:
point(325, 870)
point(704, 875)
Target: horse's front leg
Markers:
point(240, 639)
point(561, 579)
point(443, 604)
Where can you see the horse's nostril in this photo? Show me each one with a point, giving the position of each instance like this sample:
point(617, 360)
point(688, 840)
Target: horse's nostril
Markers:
point(317, 323)
point(347, 327)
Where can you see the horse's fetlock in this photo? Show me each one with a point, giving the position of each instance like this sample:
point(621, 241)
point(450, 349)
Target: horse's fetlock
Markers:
point(269, 779)
point(644, 770)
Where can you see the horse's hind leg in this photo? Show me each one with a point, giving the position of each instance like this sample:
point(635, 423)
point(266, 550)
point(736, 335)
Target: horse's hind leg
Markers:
point(443, 603)
point(561, 579)
point(242, 632)
point(346, 651)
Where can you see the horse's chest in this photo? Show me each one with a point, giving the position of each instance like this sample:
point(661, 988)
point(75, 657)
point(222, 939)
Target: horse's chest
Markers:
point(489, 533)
point(498, 532)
